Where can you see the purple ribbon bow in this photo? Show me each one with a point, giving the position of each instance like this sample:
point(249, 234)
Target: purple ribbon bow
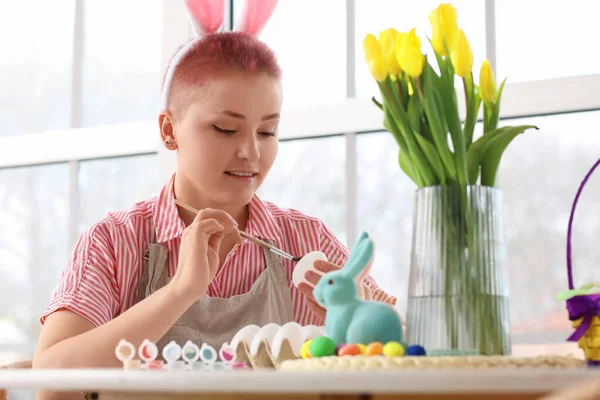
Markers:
point(585, 306)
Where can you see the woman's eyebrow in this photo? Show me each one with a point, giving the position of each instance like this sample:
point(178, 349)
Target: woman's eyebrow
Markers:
point(233, 114)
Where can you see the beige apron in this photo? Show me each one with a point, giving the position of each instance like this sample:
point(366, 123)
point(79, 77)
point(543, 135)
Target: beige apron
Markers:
point(215, 320)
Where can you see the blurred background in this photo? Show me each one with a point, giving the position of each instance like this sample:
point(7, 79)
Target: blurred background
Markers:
point(79, 87)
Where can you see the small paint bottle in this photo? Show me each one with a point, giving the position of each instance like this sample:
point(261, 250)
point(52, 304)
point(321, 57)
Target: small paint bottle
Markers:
point(171, 354)
point(125, 353)
point(148, 351)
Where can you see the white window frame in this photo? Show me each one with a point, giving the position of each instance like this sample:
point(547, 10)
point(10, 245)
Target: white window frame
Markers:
point(350, 117)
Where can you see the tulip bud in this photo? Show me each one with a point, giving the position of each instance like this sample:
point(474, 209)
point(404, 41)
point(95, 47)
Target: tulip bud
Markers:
point(462, 56)
point(408, 52)
point(387, 41)
point(374, 57)
point(487, 83)
point(444, 27)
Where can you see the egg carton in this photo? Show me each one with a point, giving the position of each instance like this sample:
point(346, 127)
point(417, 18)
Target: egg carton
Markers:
point(270, 345)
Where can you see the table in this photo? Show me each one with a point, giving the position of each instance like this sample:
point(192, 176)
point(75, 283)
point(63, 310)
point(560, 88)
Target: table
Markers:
point(116, 384)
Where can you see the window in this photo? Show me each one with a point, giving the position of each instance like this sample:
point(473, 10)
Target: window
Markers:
point(309, 39)
point(36, 57)
point(121, 75)
point(373, 16)
point(34, 204)
point(553, 46)
point(115, 184)
point(309, 175)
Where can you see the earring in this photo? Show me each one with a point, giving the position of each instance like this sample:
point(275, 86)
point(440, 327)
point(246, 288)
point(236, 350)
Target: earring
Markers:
point(167, 142)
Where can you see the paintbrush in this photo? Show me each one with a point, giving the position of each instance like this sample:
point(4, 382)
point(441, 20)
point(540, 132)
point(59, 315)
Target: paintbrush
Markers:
point(251, 238)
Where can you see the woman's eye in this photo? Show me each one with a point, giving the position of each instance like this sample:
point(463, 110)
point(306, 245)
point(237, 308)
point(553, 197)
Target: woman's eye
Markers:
point(272, 133)
point(225, 131)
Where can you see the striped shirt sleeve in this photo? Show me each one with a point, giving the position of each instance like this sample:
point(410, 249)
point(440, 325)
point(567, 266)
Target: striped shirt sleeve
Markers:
point(87, 285)
point(337, 253)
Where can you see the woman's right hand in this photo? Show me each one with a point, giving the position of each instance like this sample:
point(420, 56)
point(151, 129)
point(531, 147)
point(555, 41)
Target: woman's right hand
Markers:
point(199, 251)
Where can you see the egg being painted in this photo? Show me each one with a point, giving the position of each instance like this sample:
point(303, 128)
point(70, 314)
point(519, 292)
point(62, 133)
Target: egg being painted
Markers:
point(306, 264)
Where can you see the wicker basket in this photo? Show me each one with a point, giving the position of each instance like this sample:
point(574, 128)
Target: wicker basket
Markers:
point(583, 304)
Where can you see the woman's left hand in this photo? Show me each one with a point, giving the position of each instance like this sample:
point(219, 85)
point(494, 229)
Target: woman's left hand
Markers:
point(363, 290)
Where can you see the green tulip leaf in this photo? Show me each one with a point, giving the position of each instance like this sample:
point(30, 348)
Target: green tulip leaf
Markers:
point(406, 165)
point(493, 153)
point(477, 151)
point(432, 156)
point(414, 113)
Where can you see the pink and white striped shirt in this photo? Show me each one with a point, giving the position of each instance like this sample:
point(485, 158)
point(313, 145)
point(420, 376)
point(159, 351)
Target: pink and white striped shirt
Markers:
point(101, 278)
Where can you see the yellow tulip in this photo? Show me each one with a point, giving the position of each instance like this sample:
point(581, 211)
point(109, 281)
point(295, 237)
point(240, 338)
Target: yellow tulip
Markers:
point(487, 83)
point(444, 27)
point(462, 56)
point(408, 52)
point(387, 41)
point(371, 47)
point(374, 58)
point(378, 69)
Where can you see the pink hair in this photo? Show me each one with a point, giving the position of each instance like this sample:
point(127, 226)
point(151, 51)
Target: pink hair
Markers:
point(214, 53)
point(202, 58)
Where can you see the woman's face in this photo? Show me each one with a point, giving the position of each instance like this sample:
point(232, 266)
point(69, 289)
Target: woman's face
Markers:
point(227, 138)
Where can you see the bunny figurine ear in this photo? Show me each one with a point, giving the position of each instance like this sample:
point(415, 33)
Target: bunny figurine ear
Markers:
point(206, 16)
point(255, 15)
point(361, 258)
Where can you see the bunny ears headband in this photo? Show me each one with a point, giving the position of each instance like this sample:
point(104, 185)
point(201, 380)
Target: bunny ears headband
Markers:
point(206, 17)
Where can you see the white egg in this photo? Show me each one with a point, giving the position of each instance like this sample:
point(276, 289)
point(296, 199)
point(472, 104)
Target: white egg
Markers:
point(291, 331)
point(266, 333)
point(246, 334)
point(313, 331)
point(306, 264)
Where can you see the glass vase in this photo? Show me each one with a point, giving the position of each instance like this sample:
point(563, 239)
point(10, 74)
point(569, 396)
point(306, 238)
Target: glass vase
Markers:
point(458, 285)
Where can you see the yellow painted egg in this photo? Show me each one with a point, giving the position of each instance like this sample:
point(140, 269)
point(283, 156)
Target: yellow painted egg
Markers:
point(304, 353)
point(393, 349)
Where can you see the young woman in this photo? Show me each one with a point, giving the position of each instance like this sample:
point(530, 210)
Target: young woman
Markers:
point(159, 272)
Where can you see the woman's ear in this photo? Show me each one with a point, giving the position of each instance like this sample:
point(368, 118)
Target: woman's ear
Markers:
point(255, 15)
point(206, 16)
point(167, 130)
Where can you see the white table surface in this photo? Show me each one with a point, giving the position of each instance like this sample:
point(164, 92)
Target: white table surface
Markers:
point(271, 381)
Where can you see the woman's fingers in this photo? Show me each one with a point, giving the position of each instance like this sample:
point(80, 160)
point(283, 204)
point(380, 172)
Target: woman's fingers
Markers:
point(312, 277)
point(225, 219)
point(306, 289)
point(325, 266)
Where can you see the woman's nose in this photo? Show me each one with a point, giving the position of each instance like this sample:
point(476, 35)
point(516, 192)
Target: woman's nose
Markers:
point(248, 149)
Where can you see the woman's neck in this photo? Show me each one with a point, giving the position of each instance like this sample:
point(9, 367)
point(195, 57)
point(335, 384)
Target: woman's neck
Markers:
point(185, 192)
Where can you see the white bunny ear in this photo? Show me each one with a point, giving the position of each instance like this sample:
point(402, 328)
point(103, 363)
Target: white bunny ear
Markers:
point(206, 16)
point(255, 15)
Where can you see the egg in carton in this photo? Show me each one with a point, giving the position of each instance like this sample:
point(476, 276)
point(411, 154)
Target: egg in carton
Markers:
point(272, 344)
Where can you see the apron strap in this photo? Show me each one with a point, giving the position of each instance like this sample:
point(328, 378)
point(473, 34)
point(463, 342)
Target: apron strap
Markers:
point(153, 267)
point(273, 260)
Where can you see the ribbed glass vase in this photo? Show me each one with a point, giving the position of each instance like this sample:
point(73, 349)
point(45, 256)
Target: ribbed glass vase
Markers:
point(458, 287)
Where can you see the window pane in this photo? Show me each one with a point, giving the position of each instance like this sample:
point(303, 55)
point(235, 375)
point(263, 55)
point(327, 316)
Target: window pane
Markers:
point(121, 61)
point(309, 175)
point(545, 51)
point(539, 175)
point(35, 66)
point(115, 184)
point(309, 38)
point(373, 16)
point(34, 204)
point(385, 204)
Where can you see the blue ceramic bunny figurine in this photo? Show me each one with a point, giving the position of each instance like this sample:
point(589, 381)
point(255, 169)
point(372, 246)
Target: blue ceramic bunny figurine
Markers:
point(350, 319)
